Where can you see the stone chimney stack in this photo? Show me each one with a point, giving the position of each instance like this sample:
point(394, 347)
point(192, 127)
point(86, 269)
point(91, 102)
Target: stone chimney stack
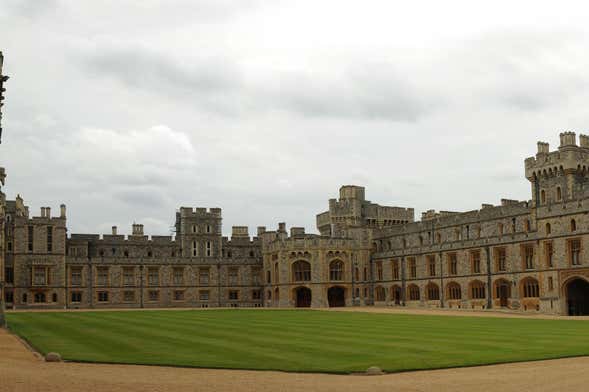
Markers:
point(42, 212)
point(114, 230)
point(62, 211)
point(137, 229)
point(543, 148)
point(48, 212)
point(568, 139)
point(282, 227)
point(584, 141)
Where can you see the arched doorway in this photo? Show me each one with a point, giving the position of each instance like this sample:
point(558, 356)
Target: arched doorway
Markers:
point(502, 292)
point(303, 297)
point(577, 292)
point(336, 296)
point(396, 294)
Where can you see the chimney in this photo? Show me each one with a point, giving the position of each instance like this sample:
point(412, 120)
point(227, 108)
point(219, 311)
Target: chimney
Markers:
point(543, 148)
point(137, 229)
point(568, 139)
point(114, 230)
point(584, 141)
point(42, 212)
point(261, 230)
point(62, 211)
point(282, 227)
point(47, 212)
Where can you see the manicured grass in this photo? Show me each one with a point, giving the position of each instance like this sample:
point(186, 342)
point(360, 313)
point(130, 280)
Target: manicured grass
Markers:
point(297, 340)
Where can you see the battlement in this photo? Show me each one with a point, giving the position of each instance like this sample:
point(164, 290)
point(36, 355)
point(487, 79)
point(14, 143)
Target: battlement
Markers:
point(352, 192)
point(568, 158)
point(239, 231)
point(201, 212)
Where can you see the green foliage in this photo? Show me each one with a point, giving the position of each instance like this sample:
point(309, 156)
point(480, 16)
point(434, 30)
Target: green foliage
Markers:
point(297, 340)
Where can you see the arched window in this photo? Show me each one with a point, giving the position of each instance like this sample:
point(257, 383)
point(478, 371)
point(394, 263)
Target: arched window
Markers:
point(336, 270)
point(269, 294)
point(530, 288)
point(380, 294)
point(548, 228)
point(357, 273)
point(276, 276)
point(40, 298)
point(558, 194)
point(301, 271)
point(543, 196)
point(276, 294)
point(573, 225)
point(413, 292)
point(433, 292)
point(268, 280)
point(477, 290)
point(454, 291)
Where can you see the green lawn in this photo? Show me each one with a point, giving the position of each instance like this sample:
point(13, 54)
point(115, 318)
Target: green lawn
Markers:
point(298, 340)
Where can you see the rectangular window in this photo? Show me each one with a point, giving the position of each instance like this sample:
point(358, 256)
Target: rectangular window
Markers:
point(549, 251)
point(379, 270)
point(129, 296)
point(102, 276)
point(103, 296)
point(178, 295)
point(194, 249)
point(9, 275)
point(431, 263)
point(256, 276)
point(153, 295)
point(40, 276)
point(76, 296)
point(203, 277)
point(9, 297)
point(575, 252)
point(476, 262)
point(49, 238)
point(412, 268)
point(203, 295)
point(233, 295)
point(233, 276)
point(209, 249)
point(179, 276)
point(453, 264)
point(31, 237)
point(153, 276)
point(128, 276)
point(501, 259)
point(528, 257)
point(76, 276)
point(396, 269)
point(256, 294)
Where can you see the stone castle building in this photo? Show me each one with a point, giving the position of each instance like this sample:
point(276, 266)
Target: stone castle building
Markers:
point(520, 256)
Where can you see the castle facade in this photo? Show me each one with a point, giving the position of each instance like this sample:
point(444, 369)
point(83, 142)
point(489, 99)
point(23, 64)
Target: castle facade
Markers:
point(521, 256)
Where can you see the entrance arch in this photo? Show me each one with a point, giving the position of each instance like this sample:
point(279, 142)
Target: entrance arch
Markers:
point(577, 293)
point(336, 297)
point(302, 297)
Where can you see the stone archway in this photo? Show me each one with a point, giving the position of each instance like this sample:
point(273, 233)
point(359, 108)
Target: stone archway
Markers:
point(302, 297)
point(577, 295)
point(336, 297)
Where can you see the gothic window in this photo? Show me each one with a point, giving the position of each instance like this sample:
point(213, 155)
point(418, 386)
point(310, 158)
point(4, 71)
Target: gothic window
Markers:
point(40, 298)
point(501, 259)
point(528, 252)
point(395, 274)
point(76, 276)
point(477, 290)
point(412, 268)
point(530, 288)
point(379, 272)
point(179, 276)
point(453, 264)
point(153, 276)
point(301, 271)
point(475, 258)
point(433, 292)
point(454, 291)
point(558, 194)
point(128, 276)
point(380, 294)
point(336, 269)
point(413, 292)
point(233, 276)
point(575, 252)
point(203, 276)
point(543, 196)
point(549, 251)
point(431, 262)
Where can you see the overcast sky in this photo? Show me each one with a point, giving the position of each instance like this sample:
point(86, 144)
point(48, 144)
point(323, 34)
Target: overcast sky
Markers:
point(126, 110)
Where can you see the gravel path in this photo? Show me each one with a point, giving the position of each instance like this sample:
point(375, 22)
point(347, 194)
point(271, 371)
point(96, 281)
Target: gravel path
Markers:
point(22, 370)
